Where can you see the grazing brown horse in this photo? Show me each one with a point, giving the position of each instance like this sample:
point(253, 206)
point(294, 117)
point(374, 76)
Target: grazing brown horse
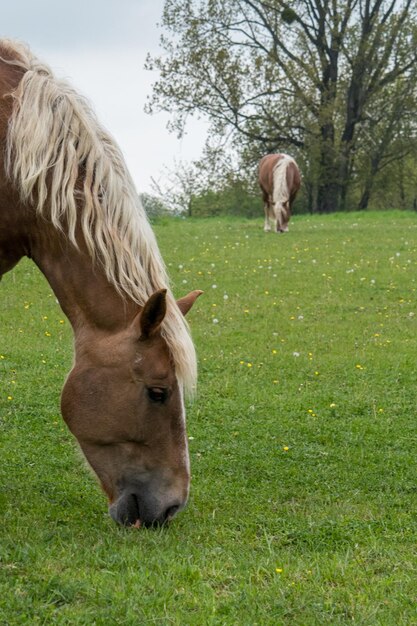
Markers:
point(68, 202)
point(279, 179)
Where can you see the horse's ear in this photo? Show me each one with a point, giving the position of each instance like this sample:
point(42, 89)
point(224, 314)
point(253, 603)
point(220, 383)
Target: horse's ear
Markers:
point(151, 316)
point(185, 303)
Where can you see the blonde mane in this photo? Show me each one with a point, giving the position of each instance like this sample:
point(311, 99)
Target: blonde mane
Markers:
point(55, 141)
point(280, 192)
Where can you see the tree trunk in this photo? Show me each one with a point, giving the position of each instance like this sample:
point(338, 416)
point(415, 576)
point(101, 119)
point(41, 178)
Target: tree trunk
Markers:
point(366, 194)
point(369, 182)
point(327, 187)
point(327, 197)
point(328, 192)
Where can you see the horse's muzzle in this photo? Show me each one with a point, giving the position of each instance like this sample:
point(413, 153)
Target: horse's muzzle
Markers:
point(138, 509)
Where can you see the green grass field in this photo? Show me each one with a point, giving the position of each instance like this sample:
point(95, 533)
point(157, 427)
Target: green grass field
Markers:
point(303, 439)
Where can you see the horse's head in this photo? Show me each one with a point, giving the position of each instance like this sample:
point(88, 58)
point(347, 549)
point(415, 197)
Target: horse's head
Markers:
point(123, 403)
point(283, 214)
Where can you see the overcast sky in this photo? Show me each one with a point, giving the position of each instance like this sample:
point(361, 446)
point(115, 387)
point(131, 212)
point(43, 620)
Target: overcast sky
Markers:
point(100, 46)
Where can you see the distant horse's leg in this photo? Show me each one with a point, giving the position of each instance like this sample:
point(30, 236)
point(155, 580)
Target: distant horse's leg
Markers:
point(267, 225)
point(265, 198)
point(268, 208)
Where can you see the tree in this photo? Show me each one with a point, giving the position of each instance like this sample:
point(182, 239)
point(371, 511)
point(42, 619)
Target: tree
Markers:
point(301, 75)
point(388, 138)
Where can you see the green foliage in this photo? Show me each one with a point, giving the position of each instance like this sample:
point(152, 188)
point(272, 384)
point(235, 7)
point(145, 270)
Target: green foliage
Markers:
point(288, 15)
point(153, 206)
point(234, 199)
point(302, 440)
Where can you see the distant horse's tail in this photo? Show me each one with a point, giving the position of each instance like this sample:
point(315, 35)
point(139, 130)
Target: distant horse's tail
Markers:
point(280, 191)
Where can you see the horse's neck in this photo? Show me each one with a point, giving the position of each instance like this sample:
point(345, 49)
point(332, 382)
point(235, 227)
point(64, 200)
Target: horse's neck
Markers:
point(87, 298)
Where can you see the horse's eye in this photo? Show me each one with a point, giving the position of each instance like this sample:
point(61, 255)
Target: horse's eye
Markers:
point(157, 394)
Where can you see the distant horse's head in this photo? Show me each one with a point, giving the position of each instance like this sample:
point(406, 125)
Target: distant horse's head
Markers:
point(283, 214)
point(123, 402)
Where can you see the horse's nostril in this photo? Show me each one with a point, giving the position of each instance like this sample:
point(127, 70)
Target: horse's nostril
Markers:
point(171, 511)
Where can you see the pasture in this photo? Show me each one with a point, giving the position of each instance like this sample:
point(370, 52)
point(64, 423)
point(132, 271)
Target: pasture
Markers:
point(302, 437)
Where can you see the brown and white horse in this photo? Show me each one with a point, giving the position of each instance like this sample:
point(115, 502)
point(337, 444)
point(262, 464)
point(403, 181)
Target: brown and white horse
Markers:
point(68, 202)
point(279, 179)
